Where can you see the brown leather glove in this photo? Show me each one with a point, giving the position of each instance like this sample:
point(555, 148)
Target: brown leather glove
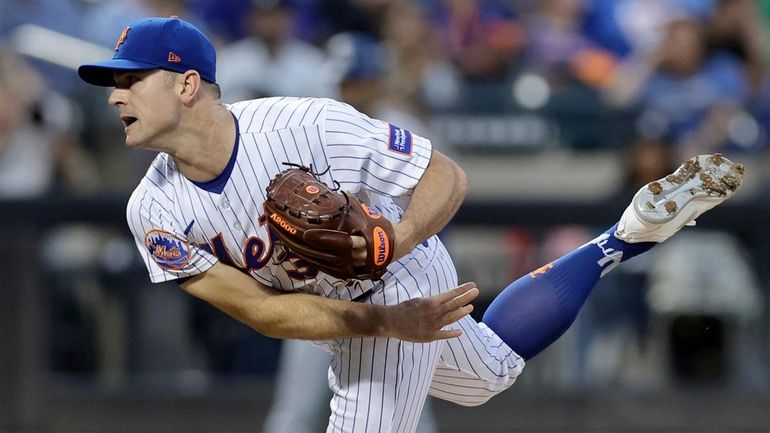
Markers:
point(316, 222)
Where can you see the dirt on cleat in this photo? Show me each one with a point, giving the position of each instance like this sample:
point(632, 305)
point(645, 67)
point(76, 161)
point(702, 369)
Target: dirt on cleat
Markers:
point(688, 170)
point(731, 181)
point(711, 186)
point(671, 207)
point(662, 207)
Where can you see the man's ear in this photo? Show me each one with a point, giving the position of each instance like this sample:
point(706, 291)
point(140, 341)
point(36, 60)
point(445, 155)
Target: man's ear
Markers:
point(191, 85)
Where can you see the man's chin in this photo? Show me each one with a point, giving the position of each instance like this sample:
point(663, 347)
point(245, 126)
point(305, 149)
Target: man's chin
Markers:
point(132, 143)
point(134, 146)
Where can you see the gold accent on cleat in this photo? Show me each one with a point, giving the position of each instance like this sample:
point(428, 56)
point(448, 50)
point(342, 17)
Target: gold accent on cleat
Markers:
point(670, 207)
point(655, 187)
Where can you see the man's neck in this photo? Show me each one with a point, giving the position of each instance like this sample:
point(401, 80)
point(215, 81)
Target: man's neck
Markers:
point(209, 141)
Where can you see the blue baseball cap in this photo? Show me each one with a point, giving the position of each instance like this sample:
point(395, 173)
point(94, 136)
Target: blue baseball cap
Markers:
point(156, 43)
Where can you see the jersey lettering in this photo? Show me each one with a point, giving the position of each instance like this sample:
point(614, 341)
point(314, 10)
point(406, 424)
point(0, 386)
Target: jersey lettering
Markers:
point(255, 254)
point(221, 251)
point(303, 270)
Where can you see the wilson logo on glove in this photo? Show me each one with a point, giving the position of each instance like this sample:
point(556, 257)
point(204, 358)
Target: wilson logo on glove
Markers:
point(316, 223)
point(381, 246)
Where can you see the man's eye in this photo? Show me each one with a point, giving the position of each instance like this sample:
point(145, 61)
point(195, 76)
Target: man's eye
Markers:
point(127, 81)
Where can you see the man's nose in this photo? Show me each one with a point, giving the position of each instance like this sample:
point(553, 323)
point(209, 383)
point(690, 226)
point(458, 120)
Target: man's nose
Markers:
point(117, 97)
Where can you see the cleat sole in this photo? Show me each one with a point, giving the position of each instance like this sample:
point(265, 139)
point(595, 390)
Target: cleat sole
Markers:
point(700, 178)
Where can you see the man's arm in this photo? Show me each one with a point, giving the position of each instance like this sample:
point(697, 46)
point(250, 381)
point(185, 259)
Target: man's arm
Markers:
point(435, 200)
point(302, 316)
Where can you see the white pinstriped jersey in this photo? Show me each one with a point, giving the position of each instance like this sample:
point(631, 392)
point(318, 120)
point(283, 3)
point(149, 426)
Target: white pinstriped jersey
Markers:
point(222, 219)
point(182, 228)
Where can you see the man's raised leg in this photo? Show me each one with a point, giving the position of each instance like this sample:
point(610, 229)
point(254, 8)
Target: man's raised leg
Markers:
point(537, 309)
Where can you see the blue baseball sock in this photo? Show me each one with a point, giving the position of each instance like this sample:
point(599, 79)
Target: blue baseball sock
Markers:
point(535, 310)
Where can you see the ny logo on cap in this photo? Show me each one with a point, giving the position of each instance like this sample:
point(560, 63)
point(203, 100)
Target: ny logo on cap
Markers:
point(122, 38)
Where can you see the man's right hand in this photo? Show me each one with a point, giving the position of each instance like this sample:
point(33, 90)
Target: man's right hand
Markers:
point(423, 319)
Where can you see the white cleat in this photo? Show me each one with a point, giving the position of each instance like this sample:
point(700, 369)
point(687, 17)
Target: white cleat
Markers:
point(664, 206)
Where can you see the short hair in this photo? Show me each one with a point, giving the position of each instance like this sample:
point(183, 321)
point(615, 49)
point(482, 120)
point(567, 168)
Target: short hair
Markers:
point(214, 88)
point(209, 86)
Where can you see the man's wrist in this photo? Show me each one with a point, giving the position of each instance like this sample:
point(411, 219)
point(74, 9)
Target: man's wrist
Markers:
point(405, 241)
point(381, 321)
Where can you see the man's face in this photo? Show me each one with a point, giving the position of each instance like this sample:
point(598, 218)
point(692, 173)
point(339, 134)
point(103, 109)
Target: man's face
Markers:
point(10, 113)
point(683, 48)
point(148, 106)
point(361, 93)
point(271, 25)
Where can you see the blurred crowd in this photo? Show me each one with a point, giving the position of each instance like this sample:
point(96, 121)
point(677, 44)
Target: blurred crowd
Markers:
point(685, 77)
point(689, 75)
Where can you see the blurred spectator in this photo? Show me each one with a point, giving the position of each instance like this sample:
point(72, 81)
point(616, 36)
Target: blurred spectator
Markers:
point(271, 61)
point(627, 27)
point(359, 16)
point(64, 16)
point(481, 37)
point(557, 48)
point(684, 94)
point(644, 160)
point(737, 27)
point(302, 392)
point(224, 18)
point(421, 75)
point(105, 20)
point(59, 15)
point(760, 110)
point(302, 389)
point(26, 162)
point(361, 64)
point(39, 153)
point(706, 306)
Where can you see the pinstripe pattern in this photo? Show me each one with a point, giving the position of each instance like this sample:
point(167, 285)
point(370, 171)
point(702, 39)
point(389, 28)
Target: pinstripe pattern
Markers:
point(379, 384)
